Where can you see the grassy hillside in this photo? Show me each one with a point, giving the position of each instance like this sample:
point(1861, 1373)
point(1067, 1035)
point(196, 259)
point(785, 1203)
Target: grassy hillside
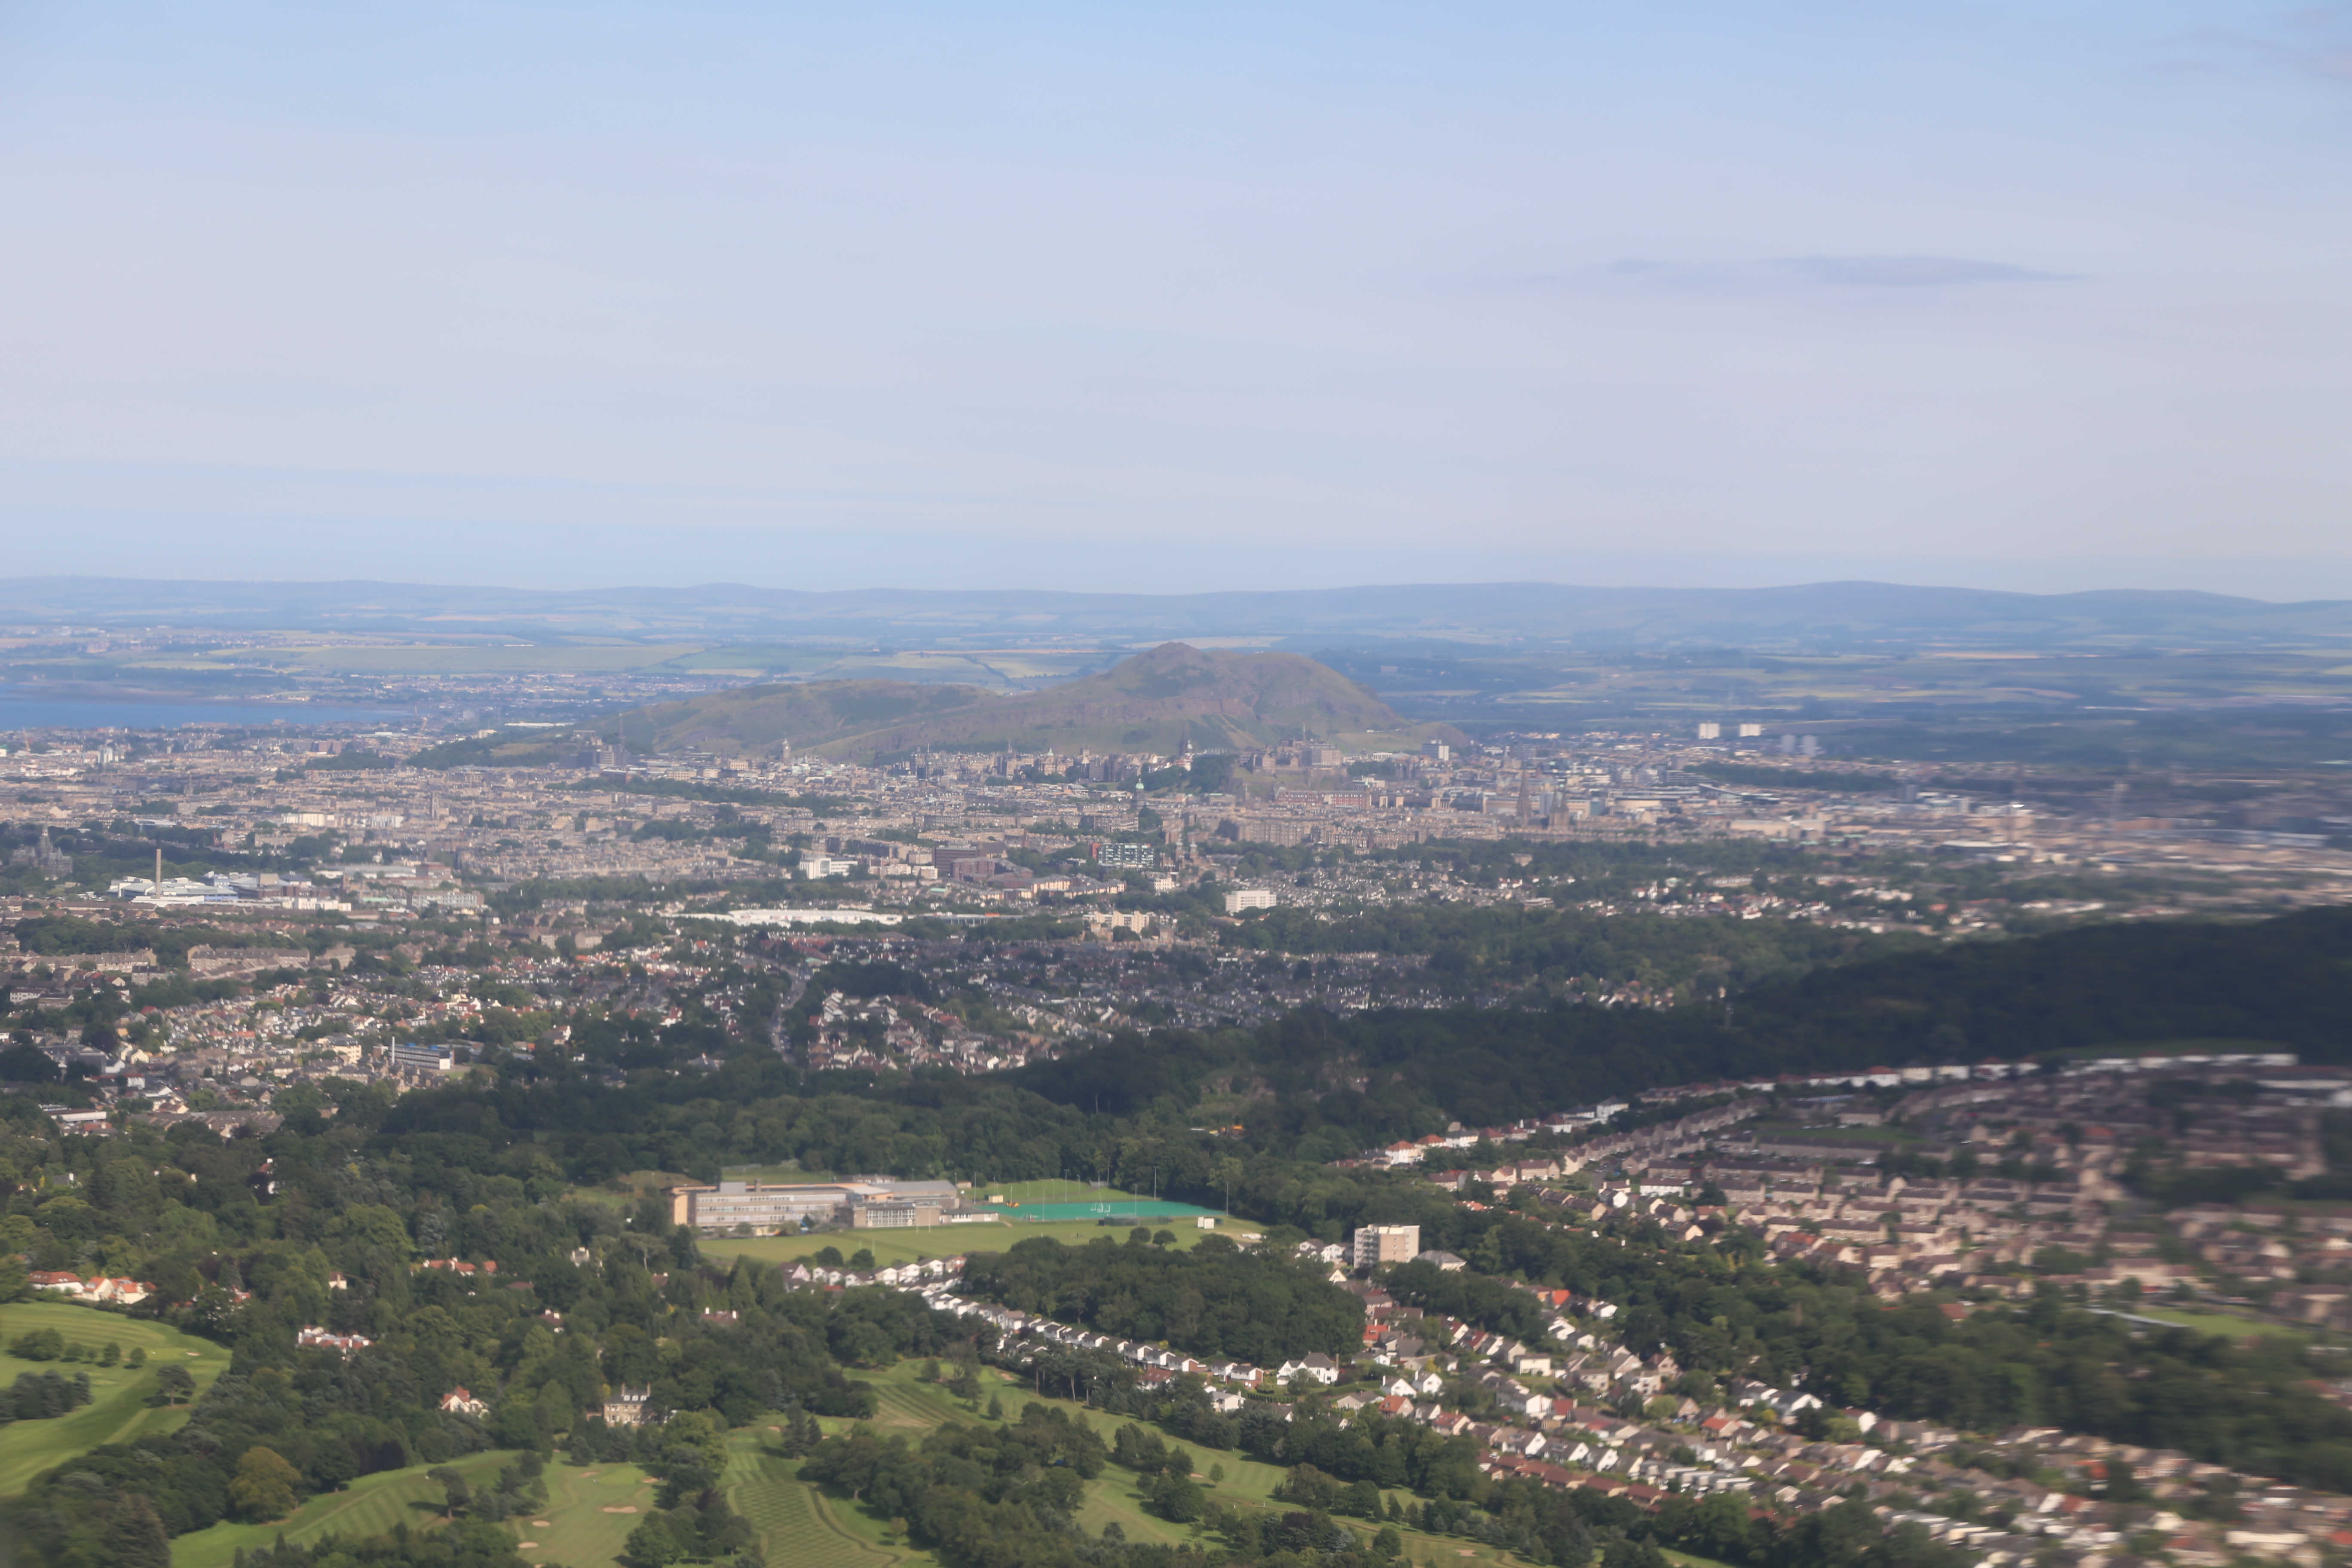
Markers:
point(754, 718)
point(371, 1505)
point(590, 1512)
point(1154, 702)
point(839, 1535)
point(118, 1411)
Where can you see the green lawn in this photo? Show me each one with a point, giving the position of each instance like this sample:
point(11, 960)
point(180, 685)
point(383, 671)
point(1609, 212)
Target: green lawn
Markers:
point(589, 1515)
point(118, 1410)
point(591, 1511)
point(1685, 1560)
point(1052, 1193)
point(890, 1247)
point(799, 1526)
point(910, 1407)
point(371, 1505)
point(2220, 1324)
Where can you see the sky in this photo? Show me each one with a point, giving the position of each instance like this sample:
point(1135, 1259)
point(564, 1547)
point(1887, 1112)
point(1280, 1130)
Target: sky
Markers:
point(2040, 295)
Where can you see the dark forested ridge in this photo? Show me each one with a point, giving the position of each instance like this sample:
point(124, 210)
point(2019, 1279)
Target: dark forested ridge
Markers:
point(1320, 1086)
point(2281, 980)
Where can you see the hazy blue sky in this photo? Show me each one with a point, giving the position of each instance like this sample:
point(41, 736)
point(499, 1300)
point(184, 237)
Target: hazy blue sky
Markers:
point(2035, 295)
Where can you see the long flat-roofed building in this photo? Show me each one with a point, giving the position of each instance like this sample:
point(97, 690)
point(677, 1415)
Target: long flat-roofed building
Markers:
point(778, 1206)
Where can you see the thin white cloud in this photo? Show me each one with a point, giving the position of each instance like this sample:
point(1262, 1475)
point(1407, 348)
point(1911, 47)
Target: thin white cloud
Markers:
point(2313, 41)
point(1834, 271)
point(1907, 272)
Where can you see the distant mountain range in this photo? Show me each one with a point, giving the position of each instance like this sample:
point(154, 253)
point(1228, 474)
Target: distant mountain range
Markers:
point(1154, 702)
point(1818, 614)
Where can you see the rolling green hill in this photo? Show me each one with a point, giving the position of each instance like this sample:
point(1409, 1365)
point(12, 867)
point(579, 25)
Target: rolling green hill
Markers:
point(1154, 702)
point(755, 718)
point(118, 1410)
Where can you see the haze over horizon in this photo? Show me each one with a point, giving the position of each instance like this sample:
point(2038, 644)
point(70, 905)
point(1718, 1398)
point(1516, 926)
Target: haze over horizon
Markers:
point(1982, 296)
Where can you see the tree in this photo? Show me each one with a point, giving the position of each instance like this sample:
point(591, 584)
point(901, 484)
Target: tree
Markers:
point(1628, 1553)
point(651, 1544)
point(38, 1344)
point(455, 1493)
point(174, 1383)
point(1175, 1498)
point(27, 1064)
point(365, 1227)
point(265, 1486)
point(134, 1535)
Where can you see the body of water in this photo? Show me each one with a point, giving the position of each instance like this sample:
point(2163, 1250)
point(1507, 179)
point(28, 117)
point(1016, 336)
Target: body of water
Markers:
point(33, 707)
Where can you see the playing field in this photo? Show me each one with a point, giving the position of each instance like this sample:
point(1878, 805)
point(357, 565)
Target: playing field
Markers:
point(2222, 1324)
point(117, 1410)
point(1051, 1192)
point(890, 1247)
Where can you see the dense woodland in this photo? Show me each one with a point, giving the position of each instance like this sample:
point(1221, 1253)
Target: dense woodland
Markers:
point(1469, 947)
point(1216, 1300)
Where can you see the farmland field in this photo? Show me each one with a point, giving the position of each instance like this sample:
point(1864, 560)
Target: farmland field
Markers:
point(441, 658)
point(118, 1410)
